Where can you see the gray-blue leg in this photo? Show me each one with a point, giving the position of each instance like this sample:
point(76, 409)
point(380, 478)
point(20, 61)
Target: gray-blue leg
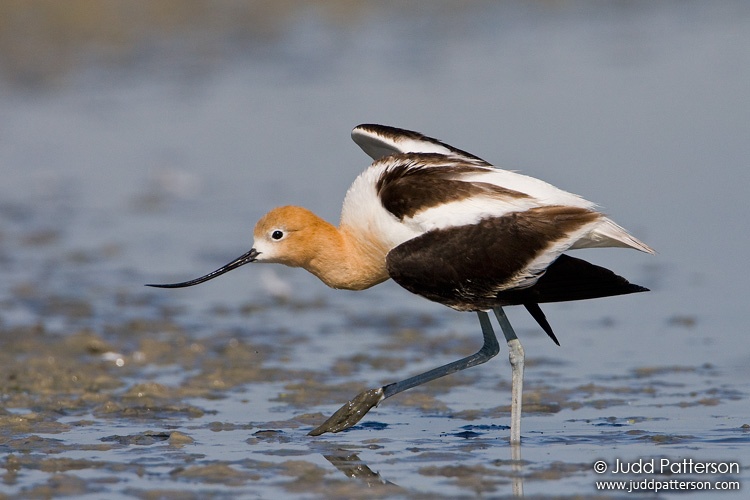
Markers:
point(516, 363)
point(353, 411)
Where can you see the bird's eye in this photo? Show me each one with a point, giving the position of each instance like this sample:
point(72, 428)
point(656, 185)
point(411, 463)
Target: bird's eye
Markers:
point(277, 235)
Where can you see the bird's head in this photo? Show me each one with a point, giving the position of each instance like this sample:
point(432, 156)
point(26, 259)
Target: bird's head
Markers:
point(288, 235)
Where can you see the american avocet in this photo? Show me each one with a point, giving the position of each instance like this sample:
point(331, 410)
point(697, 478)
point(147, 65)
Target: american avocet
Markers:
point(448, 226)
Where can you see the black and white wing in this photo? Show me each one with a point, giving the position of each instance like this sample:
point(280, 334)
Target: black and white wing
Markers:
point(379, 141)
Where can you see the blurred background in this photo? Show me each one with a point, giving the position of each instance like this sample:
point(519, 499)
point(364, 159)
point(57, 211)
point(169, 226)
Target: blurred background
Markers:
point(140, 141)
point(130, 125)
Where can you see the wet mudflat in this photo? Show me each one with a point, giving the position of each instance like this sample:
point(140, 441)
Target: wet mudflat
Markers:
point(128, 392)
point(116, 175)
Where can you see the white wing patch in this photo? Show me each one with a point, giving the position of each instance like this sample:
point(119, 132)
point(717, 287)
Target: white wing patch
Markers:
point(465, 212)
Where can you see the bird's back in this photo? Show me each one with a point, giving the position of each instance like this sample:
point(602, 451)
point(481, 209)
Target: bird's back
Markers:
point(467, 234)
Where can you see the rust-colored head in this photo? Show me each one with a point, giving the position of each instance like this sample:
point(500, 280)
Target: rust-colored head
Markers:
point(292, 236)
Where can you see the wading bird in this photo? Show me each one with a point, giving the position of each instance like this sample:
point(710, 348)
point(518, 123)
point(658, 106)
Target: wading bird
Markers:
point(448, 226)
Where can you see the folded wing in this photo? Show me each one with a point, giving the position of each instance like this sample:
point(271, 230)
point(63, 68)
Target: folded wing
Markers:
point(468, 267)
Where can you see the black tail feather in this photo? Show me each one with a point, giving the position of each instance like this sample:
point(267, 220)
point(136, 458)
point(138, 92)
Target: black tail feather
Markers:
point(569, 278)
point(537, 313)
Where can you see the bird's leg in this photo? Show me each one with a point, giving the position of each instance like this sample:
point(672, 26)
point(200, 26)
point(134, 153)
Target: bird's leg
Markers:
point(516, 363)
point(353, 411)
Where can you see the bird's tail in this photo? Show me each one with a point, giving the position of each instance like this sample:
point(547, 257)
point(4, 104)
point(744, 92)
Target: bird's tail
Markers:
point(569, 278)
point(610, 234)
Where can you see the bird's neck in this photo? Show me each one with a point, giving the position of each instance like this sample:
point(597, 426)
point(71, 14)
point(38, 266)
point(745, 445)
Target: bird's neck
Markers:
point(348, 258)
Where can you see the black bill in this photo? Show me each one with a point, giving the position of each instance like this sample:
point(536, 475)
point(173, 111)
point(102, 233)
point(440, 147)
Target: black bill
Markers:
point(240, 261)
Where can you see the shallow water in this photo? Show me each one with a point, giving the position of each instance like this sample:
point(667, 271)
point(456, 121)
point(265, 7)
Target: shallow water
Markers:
point(148, 158)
